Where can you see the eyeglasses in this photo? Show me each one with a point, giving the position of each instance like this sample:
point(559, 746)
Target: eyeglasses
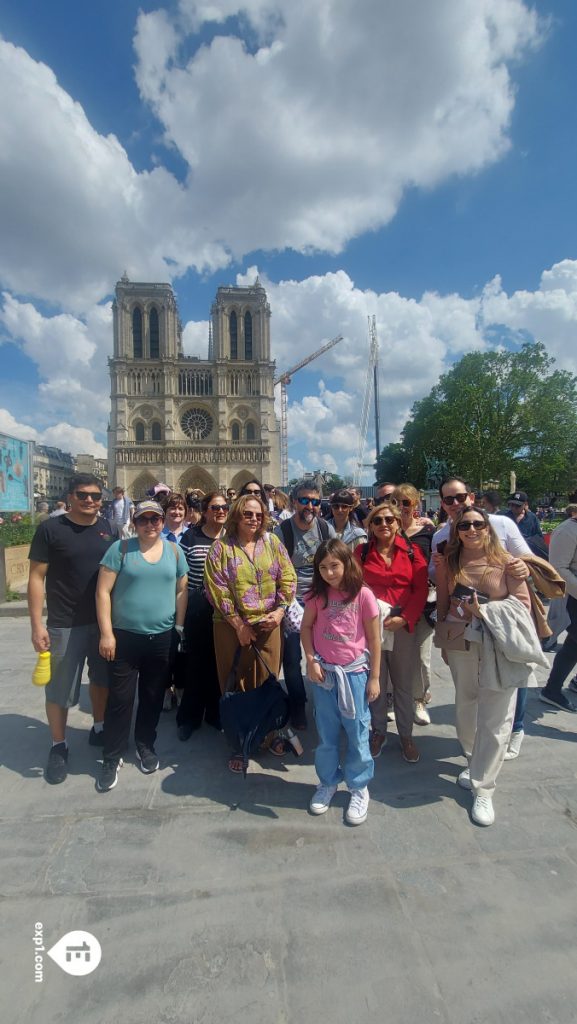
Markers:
point(258, 493)
point(218, 508)
point(406, 502)
point(452, 498)
point(89, 495)
point(472, 524)
point(315, 502)
point(253, 515)
point(342, 508)
point(379, 520)
point(149, 520)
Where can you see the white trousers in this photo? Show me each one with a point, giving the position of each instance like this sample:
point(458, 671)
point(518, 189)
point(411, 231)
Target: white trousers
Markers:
point(483, 717)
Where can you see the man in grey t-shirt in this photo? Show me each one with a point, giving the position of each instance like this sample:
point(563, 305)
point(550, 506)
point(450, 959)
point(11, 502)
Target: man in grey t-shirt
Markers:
point(301, 535)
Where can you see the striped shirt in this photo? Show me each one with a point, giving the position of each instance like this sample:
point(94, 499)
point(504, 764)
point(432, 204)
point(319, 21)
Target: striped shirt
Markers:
point(195, 546)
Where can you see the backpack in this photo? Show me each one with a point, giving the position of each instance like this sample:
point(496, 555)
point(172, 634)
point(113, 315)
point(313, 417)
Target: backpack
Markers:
point(289, 537)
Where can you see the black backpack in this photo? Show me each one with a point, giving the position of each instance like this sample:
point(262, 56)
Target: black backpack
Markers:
point(289, 537)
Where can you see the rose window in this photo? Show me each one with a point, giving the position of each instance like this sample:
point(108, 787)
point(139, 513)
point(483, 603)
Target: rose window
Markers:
point(196, 424)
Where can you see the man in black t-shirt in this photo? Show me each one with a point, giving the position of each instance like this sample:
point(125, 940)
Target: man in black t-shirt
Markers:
point(65, 557)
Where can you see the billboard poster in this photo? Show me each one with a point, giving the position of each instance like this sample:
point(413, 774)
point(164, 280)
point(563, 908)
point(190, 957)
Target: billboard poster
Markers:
point(16, 484)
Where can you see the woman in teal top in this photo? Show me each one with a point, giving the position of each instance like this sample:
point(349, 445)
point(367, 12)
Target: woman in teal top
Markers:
point(140, 600)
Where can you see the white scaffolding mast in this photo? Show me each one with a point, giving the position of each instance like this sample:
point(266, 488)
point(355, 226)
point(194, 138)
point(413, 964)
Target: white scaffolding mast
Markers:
point(371, 391)
point(284, 379)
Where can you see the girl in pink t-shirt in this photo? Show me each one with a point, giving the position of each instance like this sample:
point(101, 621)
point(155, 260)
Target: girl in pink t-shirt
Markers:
point(341, 641)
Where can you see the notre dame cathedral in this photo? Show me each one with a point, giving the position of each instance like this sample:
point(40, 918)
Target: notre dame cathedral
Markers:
point(186, 421)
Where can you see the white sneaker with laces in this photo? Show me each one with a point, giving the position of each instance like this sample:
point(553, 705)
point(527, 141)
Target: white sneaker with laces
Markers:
point(464, 779)
point(358, 807)
point(514, 747)
point(421, 715)
point(483, 813)
point(321, 799)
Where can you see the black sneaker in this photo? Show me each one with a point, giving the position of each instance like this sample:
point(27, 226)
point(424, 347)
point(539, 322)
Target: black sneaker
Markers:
point(561, 702)
point(148, 759)
point(96, 739)
point(108, 774)
point(184, 732)
point(57, 766)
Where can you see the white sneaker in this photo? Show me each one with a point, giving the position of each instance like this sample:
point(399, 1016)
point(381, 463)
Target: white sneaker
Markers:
point(390, 708)
point(464, 779)
point(514, 748)
point(421, 715)
point(483, 813)
point(321, 800)
point(358, 807)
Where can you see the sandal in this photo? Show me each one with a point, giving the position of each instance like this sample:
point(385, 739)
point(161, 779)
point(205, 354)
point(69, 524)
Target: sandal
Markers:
point(278, 747)
point(236, 764)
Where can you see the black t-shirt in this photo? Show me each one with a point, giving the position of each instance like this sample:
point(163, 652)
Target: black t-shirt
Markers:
point(73, 554)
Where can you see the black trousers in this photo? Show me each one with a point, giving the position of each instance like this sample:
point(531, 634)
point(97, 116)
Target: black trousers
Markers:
point(565, 659)
point(201, 688)
point(141, 660)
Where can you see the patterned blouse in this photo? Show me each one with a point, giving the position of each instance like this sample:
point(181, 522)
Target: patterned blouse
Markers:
point(249, 587)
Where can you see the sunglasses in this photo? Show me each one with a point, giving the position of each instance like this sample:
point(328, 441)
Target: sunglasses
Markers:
point(452, 498)
point(315, 502)
point(379, 520)
point(406, 502)
point(89, 495)
point(386, 499)
point(218, 508)
point(253, 515)
point(258, 493)
point(149, 520)
point(472, 524)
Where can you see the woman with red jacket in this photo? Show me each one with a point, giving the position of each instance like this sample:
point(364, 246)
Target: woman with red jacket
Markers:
point(396, 572)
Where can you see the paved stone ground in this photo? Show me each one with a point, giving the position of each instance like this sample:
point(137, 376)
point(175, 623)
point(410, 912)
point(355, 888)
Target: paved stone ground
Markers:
point(217, 899)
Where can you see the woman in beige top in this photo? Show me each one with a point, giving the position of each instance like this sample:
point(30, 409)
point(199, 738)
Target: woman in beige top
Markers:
point(475, 558)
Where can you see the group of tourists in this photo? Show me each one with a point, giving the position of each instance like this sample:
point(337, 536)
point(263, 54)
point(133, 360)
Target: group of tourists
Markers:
point(174, 594)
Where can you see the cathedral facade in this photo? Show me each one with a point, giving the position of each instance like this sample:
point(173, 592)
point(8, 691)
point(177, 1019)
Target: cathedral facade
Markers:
point(186, 421)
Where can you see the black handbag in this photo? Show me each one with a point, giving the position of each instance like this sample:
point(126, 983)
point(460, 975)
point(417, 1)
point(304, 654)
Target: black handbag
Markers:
point(246, 718)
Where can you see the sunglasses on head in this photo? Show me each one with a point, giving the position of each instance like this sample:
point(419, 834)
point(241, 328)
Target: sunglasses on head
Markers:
point(452, 498)
point(218, 508)
point(253, 515)
point(88, 495)
point(315, 502)
point(379, 520)
point(472, 524)
point(151, 520)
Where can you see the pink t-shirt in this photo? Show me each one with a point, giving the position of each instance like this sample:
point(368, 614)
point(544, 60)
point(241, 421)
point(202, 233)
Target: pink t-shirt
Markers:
point(338, 631)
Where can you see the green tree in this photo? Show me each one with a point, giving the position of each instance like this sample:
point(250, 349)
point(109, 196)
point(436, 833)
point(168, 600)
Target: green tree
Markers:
point(494, 412)
point(392, 464)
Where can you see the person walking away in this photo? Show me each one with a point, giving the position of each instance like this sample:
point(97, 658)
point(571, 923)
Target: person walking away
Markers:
point(119, 511)
point(65, 555)
point(341, 641)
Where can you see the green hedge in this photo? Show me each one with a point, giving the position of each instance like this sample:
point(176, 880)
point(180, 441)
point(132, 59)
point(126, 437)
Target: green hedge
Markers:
point(20, 532)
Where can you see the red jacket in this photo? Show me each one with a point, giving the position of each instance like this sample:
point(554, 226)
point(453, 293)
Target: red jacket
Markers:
point(404, 583)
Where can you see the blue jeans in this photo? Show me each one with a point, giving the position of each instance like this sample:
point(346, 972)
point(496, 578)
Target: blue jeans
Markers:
point(522, 694)
point(291, 663)
point(359, 767)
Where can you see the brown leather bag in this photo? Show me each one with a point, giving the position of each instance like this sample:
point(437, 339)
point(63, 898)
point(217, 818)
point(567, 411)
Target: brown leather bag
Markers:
point(449, 636)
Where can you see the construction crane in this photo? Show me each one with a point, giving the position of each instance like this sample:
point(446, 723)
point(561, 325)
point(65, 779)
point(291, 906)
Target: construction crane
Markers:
point(371, 390)
point(284, 380)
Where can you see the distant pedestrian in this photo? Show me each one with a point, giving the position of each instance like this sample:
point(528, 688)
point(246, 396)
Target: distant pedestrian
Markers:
point(119, 511)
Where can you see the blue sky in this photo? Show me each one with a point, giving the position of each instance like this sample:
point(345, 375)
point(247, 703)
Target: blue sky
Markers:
point(414, 161)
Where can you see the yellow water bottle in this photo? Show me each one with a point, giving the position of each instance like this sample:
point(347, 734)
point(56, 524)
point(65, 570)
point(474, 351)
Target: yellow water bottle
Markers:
point(41, 674)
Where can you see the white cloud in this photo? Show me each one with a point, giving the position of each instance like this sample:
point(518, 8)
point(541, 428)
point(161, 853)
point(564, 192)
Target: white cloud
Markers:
point(305, 128)
point(69, 439)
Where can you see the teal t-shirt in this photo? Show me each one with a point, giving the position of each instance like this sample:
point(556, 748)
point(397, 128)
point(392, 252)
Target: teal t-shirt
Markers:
point(144, 595)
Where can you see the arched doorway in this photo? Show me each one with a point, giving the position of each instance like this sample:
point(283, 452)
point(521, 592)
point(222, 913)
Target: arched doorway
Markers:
point(242, 478)
point(138, 488)
point(197, 478)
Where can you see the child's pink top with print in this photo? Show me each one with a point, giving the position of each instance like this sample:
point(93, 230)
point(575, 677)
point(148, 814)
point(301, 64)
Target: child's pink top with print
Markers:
point(338, 631)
